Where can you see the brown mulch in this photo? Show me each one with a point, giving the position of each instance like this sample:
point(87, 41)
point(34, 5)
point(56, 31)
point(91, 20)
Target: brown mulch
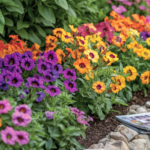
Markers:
point(99, 129)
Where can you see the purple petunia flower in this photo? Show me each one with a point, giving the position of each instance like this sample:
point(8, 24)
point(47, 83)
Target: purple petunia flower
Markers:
point(71, 86)
point(5, 106)
point(3, 85)
point(43, 67)
point(54, 74)
point(1, 62)
point(11, 60)
point(58, 68)
point(25, 91)
point(5, 74)
point(17, 69)
point(27, 64)
point(23, 109)
point(8, 136)
point(144, 35)
point(15, 80)
point(50, 57)
point(21, 119)
point(36, 83)
point(70, 73)
point(18, 55)
point(120, 9)
point(49, 114)
point(27, 54)
point(48, 77)
point(41, 95)
point(52, 90)
point(22, 137)
point(37, 76)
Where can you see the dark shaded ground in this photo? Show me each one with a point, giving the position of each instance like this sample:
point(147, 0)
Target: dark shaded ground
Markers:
point(99, 129)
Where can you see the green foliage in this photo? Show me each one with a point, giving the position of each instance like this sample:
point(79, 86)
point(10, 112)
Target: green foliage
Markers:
point(32, 20)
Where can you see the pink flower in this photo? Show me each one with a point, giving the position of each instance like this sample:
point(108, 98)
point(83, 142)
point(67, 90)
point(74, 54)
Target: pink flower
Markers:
point(109, 2)
point(8, 136)
point(148, 19)
point(81, 119)
point(127, 3)
point(23, 109)
point(120, 9)
point(142, 7)
point(148, 2)
point(77, 111)
point(90, 118)
point(22, 137)
point(138, 1)
point(5, 106)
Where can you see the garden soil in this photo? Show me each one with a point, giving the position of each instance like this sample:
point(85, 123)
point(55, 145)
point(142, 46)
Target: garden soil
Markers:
point(99, 129)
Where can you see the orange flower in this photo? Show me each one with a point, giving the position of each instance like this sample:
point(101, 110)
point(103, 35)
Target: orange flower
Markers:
point(115, 88)
point(60, 55)
point(51, 39)
point(35, 47)
point(115, 15)
point(82, 65)
point(0, 122)
point(50, 46)
point(118, 40)
point(99, 87)
point(70, 52)
point(145, 77)
point(58, 32)
point(36, 54)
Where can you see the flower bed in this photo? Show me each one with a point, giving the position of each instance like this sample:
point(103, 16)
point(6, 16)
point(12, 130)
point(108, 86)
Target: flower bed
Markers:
point(46, 96)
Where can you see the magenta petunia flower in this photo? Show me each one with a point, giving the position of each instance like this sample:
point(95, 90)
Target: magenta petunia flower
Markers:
point(120, 9)
point(90, 118)
point(81, 119)
point(21, 119)
point(142, 7)
point(8, 136)
point(128, 3)
point(71, 86)
point(43, 67)
point(22, 137)
point(148, 19)
point(50, 57)
point(49, 114)
point(5, 106)
point(23, 109)
point(52, 90)
point(70, 74)
point(77, 111)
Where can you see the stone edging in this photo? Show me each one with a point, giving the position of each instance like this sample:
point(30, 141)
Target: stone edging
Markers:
point(124, 138)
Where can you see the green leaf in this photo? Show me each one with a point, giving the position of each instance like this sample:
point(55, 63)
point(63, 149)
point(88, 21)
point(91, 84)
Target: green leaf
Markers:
point(34, 38)
point(73, 141)
point(21, 24)
point(49, 144)
point(45, 22)
point(129, 95)
point(135, 87)
point(2, 22)
point(121, 67)
point(100, 113)
point(18, 8)
point(23, 33)
point(108, 106)
point(8, 22)
point(62, 3)
point(71, 12)
point(47, 13)
point(8, 2)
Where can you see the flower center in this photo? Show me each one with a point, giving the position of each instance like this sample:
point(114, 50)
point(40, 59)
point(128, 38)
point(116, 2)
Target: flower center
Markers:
point(118, 39)
point(129, 71)
point(70, 85)
point(8, 136)
point(91, 55)
point(23, 110)
point(98, 87)
point(69, 73)
point(59, 32)
point(53, 90)
point(20, 119)
point(82, 42)
point(145, 53)
point(118, 81)
point(67, 37)
point(11, 61)
point(14, 81)
point(145, 78)
point(114, 88)
point(27, 64)
point(1, 106)
point(35, 83)
point(50, 57)
point(48, 78)
point(56, 68)
point(20, 137)
point(82, 65)
point(43, 67)
point(112, 56)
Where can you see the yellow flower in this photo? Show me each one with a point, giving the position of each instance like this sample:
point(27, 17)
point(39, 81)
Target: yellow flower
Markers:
point(133, 33)
point(132, 71)
point(145, 54)
point(145, 77)
point(92, 55)
point(67, 37)
point(58, 32)
point(99, 87)
point(120, 80)
point(89, 74)
point(74, 30)
point(82, 42)
point(148, 41)
point(115, 88)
